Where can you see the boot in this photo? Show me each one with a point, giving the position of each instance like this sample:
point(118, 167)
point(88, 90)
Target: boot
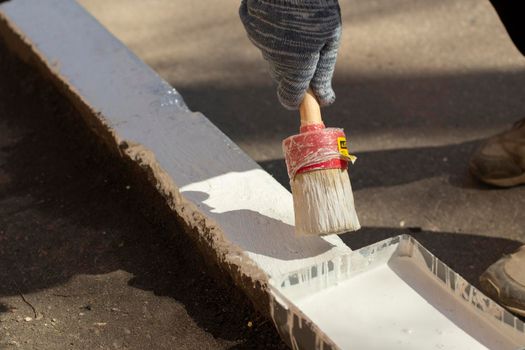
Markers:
point(504, 281)
point(500, 161)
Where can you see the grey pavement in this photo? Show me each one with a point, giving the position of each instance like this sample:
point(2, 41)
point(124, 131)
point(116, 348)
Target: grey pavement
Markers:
point(419, 85)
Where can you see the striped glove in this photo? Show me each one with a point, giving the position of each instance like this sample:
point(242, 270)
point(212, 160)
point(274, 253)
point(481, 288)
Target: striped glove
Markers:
point(299, 39)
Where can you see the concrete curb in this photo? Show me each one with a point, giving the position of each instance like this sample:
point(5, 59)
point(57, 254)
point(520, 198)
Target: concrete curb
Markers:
point(237, 213)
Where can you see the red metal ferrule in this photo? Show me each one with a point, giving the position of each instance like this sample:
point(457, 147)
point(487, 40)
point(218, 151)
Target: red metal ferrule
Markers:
point(329, 164)
point(311, 127)
point(315, 148)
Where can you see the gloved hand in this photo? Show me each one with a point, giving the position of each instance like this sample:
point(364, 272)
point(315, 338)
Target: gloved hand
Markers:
point(299, 39)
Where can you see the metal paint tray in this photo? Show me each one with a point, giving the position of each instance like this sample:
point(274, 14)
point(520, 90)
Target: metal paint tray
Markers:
point(391, 295)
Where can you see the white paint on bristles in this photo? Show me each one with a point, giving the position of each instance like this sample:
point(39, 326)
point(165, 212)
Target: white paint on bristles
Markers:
point(324, 202)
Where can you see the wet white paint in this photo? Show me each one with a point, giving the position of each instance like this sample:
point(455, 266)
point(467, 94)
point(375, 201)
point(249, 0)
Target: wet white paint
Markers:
point(398, 306)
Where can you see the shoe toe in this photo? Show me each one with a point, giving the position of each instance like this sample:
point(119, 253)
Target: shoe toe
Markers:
point(504, 283)
point(487, 168)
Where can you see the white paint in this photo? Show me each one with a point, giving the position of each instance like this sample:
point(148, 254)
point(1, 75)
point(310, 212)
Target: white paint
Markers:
point(251, 213)
point(399, 306)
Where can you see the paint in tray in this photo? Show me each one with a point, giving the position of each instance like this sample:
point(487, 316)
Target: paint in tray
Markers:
point(391, 295)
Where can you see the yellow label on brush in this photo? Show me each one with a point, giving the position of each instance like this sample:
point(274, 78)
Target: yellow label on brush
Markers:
point(343, 149)
point(341, 144)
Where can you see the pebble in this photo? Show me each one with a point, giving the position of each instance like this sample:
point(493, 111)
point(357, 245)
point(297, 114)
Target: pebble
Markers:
point(14, 342)
point(28, 319)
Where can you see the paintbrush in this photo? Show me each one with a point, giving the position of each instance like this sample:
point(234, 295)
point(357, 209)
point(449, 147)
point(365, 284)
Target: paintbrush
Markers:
point(317, 162)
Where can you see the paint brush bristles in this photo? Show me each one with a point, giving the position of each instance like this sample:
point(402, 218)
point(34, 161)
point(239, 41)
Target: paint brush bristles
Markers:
point(323, 202)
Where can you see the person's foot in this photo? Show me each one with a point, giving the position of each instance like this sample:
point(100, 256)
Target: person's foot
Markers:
point(504, 281)
point(500, 161)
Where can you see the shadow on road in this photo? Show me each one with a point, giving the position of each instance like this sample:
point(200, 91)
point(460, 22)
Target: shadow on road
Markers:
point(405, 107)
point(387, 168)
point(467, 254)
point(456, 103)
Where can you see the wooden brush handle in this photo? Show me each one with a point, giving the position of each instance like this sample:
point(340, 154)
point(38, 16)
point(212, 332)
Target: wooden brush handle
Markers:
point(310, 110)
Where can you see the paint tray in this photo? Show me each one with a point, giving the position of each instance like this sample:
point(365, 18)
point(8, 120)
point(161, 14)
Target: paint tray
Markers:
point(391, 295)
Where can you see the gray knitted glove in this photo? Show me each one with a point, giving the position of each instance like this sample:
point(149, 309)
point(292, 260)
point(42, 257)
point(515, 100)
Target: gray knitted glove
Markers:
point(299, 39)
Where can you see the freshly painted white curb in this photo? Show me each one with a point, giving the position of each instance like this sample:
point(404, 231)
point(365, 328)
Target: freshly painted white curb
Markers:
point(240, 211)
